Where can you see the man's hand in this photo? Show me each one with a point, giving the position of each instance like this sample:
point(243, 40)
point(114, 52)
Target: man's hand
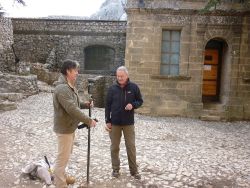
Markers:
point(89, 104)
point(129, 107)
point(108, 127)
point(93, 123)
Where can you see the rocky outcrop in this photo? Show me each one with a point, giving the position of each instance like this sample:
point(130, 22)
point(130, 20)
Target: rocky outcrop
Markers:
point(111, 10)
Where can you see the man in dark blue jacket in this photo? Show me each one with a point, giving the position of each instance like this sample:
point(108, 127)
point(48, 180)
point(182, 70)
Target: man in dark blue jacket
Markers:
point(122, 98)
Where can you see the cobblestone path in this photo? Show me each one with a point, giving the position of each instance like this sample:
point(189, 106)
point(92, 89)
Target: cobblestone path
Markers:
point(171, 152)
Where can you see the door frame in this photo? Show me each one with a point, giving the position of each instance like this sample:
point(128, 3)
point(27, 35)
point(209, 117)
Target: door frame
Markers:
point(214, 44)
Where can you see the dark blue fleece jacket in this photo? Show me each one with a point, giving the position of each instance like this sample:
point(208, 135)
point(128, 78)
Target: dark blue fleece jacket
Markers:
point(117, 99)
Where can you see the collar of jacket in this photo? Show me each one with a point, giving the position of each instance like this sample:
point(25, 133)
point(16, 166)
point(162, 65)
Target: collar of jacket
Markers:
point(63, 80)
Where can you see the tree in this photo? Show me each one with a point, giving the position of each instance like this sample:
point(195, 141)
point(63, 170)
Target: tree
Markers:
point(213, 4)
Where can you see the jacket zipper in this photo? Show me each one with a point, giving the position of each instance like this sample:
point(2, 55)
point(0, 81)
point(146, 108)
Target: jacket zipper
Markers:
point(125, 96)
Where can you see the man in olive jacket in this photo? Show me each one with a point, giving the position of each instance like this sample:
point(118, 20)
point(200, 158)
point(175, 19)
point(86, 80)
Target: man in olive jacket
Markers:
point(67, 116)
point(122, 98)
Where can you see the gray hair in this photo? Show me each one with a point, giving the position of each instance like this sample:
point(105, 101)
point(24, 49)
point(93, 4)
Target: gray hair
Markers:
point(122, 68)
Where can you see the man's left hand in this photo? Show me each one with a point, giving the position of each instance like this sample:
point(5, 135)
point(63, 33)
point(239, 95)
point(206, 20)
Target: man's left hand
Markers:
point(129, 107)
point(89, 104)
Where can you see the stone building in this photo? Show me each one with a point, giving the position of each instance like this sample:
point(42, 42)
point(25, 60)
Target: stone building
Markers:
point(187, 63)
point(99, 46)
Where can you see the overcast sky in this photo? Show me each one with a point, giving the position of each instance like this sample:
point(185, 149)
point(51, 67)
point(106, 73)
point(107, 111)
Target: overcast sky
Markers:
point(43, 8)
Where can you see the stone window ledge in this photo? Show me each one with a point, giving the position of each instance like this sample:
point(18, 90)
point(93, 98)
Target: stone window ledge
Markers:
point(246, 79)
point(170, 77)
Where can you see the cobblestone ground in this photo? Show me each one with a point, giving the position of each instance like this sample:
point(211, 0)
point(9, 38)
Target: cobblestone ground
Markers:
point(171, 152)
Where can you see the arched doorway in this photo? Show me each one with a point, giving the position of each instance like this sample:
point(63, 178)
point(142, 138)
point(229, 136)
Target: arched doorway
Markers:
point(99, 57)
point(215, 71)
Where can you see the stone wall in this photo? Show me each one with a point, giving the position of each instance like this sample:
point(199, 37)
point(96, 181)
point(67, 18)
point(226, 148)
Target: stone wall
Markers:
point(181, 95)
point(52, 41)
point(98, 88)
point(162, 95)
point(244, 69)
point(6, 40)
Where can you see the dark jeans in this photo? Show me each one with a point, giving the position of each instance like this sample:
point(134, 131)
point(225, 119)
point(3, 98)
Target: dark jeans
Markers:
point(129, 136)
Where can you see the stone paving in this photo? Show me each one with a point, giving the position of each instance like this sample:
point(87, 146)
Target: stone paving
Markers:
point(171, 152)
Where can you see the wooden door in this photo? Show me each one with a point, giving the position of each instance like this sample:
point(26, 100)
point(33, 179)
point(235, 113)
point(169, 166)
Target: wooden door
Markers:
point(210, 73)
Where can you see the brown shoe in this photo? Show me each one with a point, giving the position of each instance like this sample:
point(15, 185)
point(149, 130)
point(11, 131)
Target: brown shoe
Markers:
point(70, 180)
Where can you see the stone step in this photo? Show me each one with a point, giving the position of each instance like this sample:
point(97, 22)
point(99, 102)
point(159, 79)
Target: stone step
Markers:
point(213, 112)
point(11, 96)
point(7, 105)
point(210, 118)
point(213, 106)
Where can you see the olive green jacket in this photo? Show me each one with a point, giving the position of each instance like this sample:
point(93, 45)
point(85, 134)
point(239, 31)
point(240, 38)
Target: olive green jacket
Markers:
point(67, 113)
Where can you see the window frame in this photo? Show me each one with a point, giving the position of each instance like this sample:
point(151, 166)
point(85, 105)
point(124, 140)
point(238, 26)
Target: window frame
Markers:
point(96, 48)
point(170, 53)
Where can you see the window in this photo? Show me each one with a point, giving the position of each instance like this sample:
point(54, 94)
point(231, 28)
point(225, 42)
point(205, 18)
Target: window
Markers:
point(99, 58)
point(170, 52)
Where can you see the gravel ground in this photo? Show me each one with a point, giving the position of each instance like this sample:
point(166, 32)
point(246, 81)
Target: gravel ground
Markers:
point(171, 152)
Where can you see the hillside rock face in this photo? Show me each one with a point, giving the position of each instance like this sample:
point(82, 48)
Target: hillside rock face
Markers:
point(111, 10)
